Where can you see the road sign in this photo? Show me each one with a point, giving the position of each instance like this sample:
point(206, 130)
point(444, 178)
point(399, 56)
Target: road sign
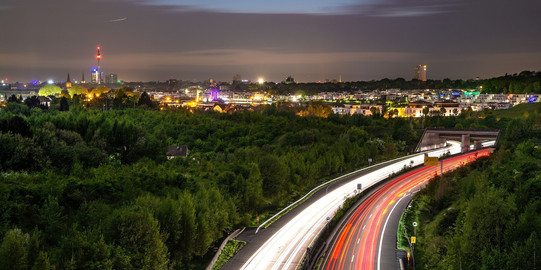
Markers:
point(431, 161)
point(413, 238)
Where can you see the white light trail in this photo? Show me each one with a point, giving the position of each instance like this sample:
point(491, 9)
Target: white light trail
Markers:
point(285, 249)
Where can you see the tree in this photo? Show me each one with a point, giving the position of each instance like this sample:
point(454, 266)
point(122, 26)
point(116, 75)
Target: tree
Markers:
point(13, 98)
point(317, 109)
point(485, 222)
point(443, 111)
point(50, 90)
point(145, 100)
point(77, 90)
point(32, 102)
point(42, 262)
point(426, 111)
point(137, 231)
point(64, 105)
point(14, 250)
point(100, 90)
point(374, 111)
point(273, 174)
point(52, 218)
point(18, 125)
point(16, 108)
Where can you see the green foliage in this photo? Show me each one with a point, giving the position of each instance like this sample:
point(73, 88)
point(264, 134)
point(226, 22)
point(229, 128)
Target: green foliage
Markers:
point(93, 189)
point(16, 108)
point(524, 82)
point(145, 100)
point(137, 231)
point(77, 90)
point(230, 249)
point(487, 216)
point(42, 262)
point(99, 90)
point(14, 250)
point(50, 90)
point(273, 174)
point(64, 105)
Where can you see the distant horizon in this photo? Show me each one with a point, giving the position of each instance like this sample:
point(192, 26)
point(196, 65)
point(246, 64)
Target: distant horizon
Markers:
point(255, 79)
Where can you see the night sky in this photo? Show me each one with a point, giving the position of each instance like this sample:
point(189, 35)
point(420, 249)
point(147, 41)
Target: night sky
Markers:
point(311, 40)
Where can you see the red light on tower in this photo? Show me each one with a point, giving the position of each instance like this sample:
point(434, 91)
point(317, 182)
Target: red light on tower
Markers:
point(98, 56)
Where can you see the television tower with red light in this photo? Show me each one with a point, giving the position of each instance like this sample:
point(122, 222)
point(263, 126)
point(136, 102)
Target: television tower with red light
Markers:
point(96, 71)
point(98, 57)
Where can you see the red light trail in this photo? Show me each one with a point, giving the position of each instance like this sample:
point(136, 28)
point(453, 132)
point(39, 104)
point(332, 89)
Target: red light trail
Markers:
point(359, 244)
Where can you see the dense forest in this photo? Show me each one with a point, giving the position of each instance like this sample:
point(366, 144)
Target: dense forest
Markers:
point(91, 189)
point(488, 215)
point(88, 189)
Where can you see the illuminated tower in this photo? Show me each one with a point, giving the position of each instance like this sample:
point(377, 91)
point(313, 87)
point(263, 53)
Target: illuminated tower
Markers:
point(83, 78)
point(98, 57)
point(96, 72)
point(68, 82)
point(420, 73)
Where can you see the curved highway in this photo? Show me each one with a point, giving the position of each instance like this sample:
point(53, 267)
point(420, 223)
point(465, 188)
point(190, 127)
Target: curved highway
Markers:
point(286, 248)
point(361, 244)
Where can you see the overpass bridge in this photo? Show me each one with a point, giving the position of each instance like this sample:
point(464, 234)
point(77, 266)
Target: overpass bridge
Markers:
point(436, 138)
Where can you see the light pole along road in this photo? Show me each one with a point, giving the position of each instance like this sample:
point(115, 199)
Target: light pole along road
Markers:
point(286, 248)
point(367, 240)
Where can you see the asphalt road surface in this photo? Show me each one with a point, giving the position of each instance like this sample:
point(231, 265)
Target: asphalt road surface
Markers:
point(284, 243)
point(368, 239)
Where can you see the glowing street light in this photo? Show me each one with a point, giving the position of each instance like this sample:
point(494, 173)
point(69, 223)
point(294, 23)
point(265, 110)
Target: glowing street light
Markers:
point(260, 80)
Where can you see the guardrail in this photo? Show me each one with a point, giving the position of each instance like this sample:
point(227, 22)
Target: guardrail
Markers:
point(217, 255)
point(334, 180)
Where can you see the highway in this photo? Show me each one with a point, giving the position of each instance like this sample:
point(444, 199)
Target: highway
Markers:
point(361, 244)
point(286, 248)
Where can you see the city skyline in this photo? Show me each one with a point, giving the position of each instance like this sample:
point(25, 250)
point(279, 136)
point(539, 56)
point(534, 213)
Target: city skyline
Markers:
point(311, 40)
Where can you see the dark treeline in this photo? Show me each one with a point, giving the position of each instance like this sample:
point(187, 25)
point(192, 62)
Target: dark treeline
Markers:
point(90, 189)
point(398, 83)
point(524, 82)
point(488, 215)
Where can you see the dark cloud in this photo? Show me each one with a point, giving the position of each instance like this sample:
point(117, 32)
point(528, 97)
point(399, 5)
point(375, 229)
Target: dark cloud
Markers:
point(402, 8)
point(457, 39)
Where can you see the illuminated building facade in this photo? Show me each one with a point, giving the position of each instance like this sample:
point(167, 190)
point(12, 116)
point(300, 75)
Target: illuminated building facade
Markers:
point(420, 73)
point(97, 76)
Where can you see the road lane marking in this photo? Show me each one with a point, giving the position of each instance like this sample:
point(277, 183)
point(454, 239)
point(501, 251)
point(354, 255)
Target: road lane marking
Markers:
point(383, 233)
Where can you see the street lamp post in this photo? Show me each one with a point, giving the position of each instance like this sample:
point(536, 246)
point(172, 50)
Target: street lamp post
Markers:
point(413, 243)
